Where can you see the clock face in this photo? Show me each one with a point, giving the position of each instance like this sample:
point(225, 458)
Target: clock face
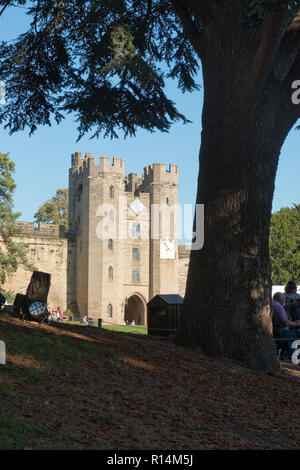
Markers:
point(167, 249)
point(137, 206)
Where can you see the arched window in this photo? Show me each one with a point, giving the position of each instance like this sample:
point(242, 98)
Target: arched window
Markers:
point(110, 244)
point(110, 273)
point(109, 311)
point(111, 192)
point(111, 215)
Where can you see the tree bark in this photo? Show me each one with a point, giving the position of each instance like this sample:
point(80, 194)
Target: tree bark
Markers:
point(227, 303)
point(228, 295)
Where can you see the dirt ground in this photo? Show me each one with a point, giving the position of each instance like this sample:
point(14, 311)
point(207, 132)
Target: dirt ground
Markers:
point(76, 387)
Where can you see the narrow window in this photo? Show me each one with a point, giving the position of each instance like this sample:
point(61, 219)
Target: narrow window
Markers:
point(109, 311)
point(111, 192)
point(135, 276)
point(110, 273)
point(135, 254)
point(110, 244)
point(136, 231)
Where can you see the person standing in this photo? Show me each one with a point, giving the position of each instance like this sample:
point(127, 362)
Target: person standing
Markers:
point(59, 314)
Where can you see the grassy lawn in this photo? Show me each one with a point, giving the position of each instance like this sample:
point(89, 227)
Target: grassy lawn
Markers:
point(136, 329)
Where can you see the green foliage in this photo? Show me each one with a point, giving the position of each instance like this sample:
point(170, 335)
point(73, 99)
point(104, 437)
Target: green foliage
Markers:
point(54, 211)
point(12, 253)
point(285, 244)
point(103, 61)
point(9, 295)
point(261, 8)
point(68, 313)
point(7, 184)
point(122, 47)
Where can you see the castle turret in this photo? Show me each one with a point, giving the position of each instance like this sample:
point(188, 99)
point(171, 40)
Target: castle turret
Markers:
point(162, 184)
point(94, 192)
point(76, 159)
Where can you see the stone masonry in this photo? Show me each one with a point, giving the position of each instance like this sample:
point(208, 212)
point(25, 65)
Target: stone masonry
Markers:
point(109, 264)
point(48, 252)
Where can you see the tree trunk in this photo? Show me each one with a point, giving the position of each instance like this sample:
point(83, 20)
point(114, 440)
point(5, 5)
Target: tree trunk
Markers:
point(227, 303)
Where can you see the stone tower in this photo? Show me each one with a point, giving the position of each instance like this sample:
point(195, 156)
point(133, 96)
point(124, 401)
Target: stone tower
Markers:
point(162, 185)
point(117, 266)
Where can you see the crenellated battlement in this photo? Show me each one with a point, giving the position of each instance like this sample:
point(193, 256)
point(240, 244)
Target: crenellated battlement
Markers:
point(132, 182)
point(30, 229)
point(158, 173)
point(87, 166)
point(154, 173)
point(117, 165)
point(76, 160)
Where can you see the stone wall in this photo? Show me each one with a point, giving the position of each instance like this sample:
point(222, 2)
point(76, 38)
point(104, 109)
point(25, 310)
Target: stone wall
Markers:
point(48, 252)
point(183, 266)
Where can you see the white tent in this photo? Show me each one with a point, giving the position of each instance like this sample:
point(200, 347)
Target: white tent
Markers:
point(281, 289)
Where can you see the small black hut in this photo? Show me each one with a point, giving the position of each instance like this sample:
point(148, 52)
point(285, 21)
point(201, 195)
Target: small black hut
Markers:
point(164, 314)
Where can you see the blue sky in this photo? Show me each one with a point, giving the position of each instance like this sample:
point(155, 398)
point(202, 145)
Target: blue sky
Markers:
point(42, 160)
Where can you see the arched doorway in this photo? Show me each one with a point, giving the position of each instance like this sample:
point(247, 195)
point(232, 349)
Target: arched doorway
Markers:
point(135, 310)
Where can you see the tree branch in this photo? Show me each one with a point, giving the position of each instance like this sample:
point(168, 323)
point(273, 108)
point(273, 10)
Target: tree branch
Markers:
point(188, 25)
point(4, 7)
point(295, 24)
point(293, 76)
point(267, 52)
point(140, 35)
point(36, 17)
point(287, 54)
point(279, 100)
point(201, 11)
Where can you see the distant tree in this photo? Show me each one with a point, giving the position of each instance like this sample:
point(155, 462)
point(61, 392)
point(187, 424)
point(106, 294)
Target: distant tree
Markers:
point(285, 244)
point(54, 211)
point(12, 253)
point(9, 295)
